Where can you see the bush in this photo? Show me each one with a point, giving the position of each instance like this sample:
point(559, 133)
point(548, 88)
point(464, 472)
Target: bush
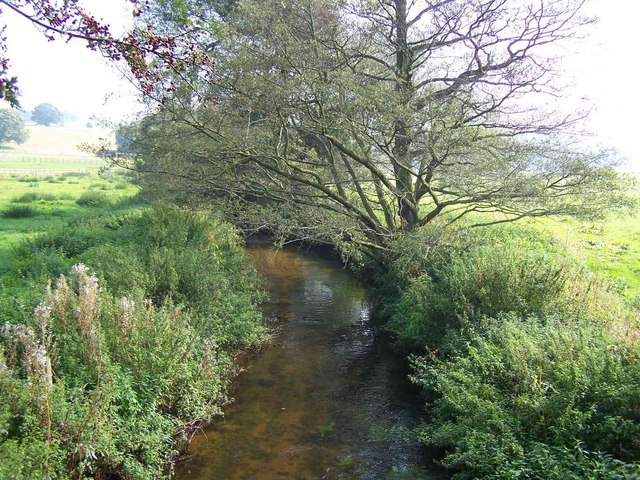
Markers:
point(22, 211)
point(525, 390)
point(191, 258)
point(532, 367)
point(142, 367)
point(452, 285)
point(94, 199)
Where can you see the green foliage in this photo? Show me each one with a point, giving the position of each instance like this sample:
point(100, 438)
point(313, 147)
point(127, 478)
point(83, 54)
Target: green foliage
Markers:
point(167, 249)
point(523, 391)
point(22, 211)
point(554, 463)
point(94, 199)
point(450, 284)
point(46, 114)
point(12, 127)
point(138, 361)
point(532, 367)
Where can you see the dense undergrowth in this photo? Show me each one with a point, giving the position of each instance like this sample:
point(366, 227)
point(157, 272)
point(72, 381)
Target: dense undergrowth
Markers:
point(531, 367)
point(107, 373)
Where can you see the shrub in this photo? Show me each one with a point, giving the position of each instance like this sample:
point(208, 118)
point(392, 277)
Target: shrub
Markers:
point(94, 199)
point(454, 284)
point(191, 258)
point(524, 390)
point(532, 365)
point(22, 211)
point(131, 379)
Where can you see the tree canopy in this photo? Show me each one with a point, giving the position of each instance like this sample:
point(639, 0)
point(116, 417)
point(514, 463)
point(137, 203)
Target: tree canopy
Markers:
point(46, 114)
point(12, 127)
point(365, 119)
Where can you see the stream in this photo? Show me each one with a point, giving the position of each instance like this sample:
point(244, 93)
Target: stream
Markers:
point(325, 399)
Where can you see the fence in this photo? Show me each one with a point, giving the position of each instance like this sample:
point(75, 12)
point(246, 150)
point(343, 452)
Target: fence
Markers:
point(45, 165)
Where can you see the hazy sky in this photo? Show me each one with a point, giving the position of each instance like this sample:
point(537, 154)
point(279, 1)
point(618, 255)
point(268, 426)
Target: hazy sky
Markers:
point(69, 75)
point(604, 67)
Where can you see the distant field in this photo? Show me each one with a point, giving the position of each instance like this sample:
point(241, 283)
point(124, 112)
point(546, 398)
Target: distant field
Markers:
point(48, 202)
point(51, 150)
point(611, 247)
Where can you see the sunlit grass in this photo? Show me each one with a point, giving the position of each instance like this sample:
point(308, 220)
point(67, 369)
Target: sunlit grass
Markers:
point(57, 204)
point(610, 246)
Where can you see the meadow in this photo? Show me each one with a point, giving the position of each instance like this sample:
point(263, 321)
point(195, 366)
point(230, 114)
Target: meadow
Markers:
point(610, 247)
point(42, 180)
point(30, 204)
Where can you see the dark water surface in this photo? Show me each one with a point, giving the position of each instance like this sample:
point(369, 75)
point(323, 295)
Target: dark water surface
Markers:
point(325, 399)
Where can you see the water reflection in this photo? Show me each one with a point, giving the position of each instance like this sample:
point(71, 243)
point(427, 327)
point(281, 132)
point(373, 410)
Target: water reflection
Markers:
point(325, 400)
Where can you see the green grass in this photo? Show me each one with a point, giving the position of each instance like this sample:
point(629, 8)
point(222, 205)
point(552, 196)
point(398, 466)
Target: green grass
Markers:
point(610, 247)
point(54, 202)
point(49, 173)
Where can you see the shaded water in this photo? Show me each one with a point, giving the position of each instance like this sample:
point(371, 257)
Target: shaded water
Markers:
point(325, 399)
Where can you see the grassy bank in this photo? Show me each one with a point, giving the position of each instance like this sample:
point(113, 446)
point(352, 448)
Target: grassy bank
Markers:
point(107, 372)
point(530, 362)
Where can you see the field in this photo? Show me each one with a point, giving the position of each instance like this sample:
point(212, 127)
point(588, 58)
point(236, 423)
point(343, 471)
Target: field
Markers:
point(610, 247)
point(31, 204)
point(54, 150)
point(48, 181)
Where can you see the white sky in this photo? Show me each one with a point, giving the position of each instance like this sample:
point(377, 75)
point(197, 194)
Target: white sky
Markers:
point(604, 67)
point(69, 75)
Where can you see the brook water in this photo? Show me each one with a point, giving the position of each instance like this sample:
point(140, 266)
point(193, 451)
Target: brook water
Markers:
point(326, 399)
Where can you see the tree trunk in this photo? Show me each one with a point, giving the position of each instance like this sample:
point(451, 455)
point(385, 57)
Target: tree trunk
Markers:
point(402, 140)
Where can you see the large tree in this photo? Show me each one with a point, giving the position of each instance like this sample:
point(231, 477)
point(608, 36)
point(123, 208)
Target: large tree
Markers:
point(12, 127)
point(47, 114)
point(375, 117)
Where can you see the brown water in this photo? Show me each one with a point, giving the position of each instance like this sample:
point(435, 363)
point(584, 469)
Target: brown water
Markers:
point(325, 399)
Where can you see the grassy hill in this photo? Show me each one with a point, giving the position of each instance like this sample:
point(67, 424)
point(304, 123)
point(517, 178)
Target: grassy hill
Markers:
point(52, 150)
